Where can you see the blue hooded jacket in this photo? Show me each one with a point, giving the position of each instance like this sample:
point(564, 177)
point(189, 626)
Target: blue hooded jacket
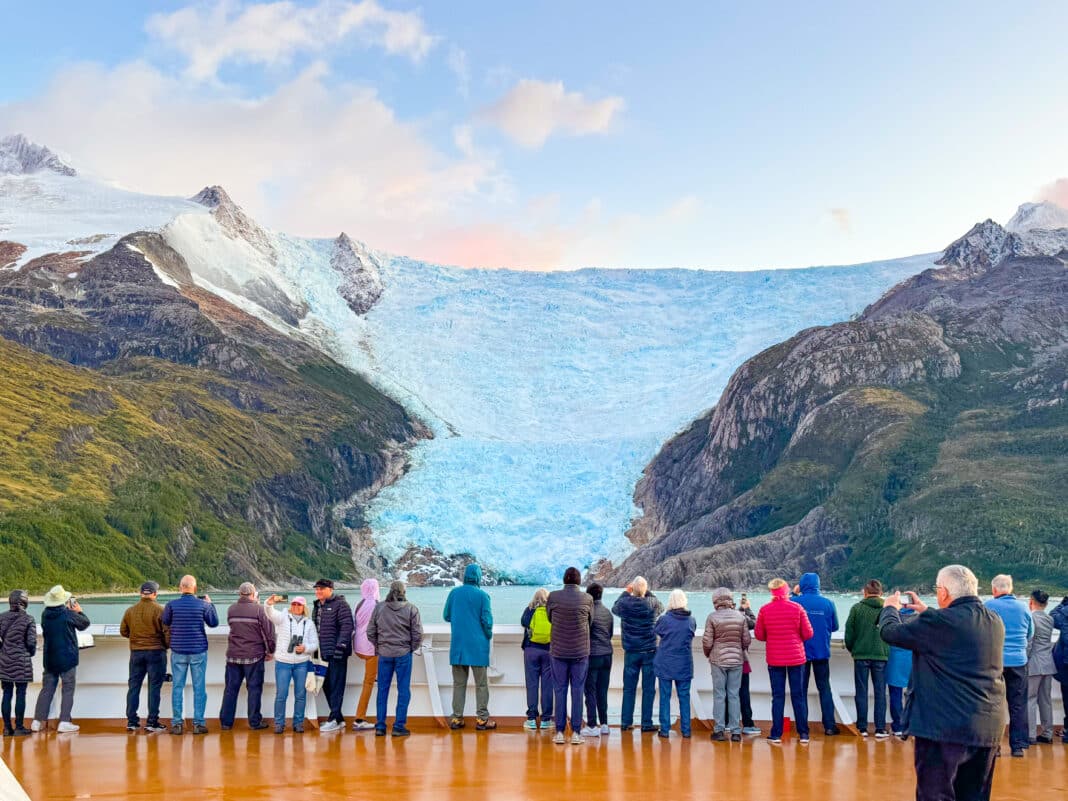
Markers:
point(674, 653)
point(468, 610)
point(899, 665)
point(822, 614)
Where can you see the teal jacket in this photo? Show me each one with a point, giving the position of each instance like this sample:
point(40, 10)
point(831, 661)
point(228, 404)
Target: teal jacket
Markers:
point(468, 610)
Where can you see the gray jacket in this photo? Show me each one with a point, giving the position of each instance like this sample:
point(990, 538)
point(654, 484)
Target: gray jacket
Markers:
point(601, 630)
point(395, 629)
point(726, 638)
point(1040, 648)
point(570, 611)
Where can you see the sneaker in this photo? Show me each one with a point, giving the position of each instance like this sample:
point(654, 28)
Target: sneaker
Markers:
point(66, 727)
point(279, 729)
point(559, 739)
point(719, 736)
point(21, 731)
point(298, 728)
point(590, 731)
point(200, 728)
point(531, 724)
point(224, 727)
point(400, 731)
point(736, 737)
point(329, 726)
point(1017, 752)
point(546, 724)
point(803, 740)
point(576, 739)
point(604, 729)
point(362, 725)
point(647, 729)
point(899, 734)
point(133, 727)
point(176, 728)
point(1045, 739)
point(664, 734)
point(751, 731)
point(485, 724)
point(625, 728)
point(774, 740)
point(831, 731)
point(263, 724)
point(36, 726)
point(380, 731)
point(456, 723)
point(881, 735)
point(8, 731)
point(155, 728)
point(864, 733)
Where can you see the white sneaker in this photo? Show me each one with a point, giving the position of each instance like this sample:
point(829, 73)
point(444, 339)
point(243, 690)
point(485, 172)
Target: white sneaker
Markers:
point(559, 739)
point(604, 729)
point(35, 726)
point(576, 739)
point(590, 731)
point(362, 725)
point(329, 726)
point(65, 726)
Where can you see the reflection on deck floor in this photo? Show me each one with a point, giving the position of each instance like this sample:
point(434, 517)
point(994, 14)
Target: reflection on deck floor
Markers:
point(507, 764)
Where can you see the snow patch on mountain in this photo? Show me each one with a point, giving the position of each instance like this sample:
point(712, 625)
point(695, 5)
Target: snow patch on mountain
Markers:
point(1043, 215)
point(20, 156)
point(361, 281)
point(1035, 230)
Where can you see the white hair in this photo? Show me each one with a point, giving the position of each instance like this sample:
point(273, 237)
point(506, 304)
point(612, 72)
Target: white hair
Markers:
point(1001, 583)
point(640, 585)
point(958, 581)
point(677, 600)
point(188, 583)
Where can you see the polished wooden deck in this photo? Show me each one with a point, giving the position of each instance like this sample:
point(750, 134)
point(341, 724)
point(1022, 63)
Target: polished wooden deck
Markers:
point(507, 764)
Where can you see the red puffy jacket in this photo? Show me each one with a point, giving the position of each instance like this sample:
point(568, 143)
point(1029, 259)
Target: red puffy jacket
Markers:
point(784, 626)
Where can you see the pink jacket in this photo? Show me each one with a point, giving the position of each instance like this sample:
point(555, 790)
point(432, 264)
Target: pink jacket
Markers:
point(362, 616)
point(784, 626)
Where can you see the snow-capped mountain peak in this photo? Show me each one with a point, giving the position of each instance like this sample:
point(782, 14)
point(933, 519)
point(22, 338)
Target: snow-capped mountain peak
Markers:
point(233, 219)
point(20, 156)
point(1031, 216)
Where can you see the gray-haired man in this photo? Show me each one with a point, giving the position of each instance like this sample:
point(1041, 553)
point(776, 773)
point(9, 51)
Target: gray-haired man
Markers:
point(251, 643)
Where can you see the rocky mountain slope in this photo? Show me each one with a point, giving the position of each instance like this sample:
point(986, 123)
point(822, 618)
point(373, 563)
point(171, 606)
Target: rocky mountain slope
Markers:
point(933, 428)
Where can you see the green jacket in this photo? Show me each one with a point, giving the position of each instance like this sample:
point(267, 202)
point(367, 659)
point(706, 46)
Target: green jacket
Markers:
point(862, 638)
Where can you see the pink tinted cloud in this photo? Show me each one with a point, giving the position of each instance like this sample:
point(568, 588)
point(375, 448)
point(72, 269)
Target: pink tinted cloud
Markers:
point(1056, 192)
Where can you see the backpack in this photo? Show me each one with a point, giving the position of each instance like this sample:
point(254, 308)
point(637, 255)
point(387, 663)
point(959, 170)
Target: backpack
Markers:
point(540, 627)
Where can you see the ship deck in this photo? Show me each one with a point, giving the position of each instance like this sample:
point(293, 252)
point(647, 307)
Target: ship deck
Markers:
point(104, 762)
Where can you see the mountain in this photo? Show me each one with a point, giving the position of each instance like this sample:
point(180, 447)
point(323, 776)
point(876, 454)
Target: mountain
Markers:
point(20, 156)
point(931, 429)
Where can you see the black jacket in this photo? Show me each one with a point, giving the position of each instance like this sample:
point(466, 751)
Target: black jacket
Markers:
point(601, 630)
point(60, 625)
point(18, 633)
point(333, 620)
point(958, 692)
point(570, 610)
point(637, 616)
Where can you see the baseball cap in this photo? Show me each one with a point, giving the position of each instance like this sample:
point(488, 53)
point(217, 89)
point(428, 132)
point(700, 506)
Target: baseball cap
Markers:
point(149, 587)
point(325, 583)
point(299, 600)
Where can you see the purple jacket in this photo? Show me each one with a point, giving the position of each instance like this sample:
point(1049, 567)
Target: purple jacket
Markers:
point(362, 616)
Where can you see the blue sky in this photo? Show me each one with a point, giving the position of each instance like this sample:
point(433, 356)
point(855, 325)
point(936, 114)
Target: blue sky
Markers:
point(562, 135)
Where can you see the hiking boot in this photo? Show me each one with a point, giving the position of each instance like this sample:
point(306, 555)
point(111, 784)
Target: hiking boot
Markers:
point(456, 723)
point(200, 728)
point(559, 739)
point(485, 724)
point(176, 728)
point(719, 737)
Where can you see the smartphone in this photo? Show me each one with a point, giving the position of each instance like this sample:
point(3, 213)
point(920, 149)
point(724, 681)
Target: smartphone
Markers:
point(282, 596)
point(202, 597)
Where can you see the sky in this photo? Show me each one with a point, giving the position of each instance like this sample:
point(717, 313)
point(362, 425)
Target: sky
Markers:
point(561, 135)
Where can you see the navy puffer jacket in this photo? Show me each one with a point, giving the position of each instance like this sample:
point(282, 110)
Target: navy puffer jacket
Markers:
point(636, 619)
point(333, 619)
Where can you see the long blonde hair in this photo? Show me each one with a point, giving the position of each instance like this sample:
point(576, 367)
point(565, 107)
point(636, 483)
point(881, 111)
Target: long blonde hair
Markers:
point(541, 597)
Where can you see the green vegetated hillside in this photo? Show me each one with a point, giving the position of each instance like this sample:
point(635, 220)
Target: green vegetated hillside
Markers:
point(173, 434)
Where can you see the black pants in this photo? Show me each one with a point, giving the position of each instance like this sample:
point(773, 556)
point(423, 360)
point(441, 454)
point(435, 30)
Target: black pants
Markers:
point(18, 688)
point(821, 670)
point(145, 663)
point(746, 702)
point(252, 676)
point(950, 771)
point(337, 671)
point(597, 676)
point(1016, 694)
point(1062, 677)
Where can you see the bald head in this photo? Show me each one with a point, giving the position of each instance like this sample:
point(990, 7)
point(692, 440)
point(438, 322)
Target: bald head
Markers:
point(188, 585)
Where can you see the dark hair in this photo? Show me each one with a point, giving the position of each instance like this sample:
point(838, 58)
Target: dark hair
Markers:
point(1040, 597)
point(595, 590)
point(873, 587)
point(572, 576)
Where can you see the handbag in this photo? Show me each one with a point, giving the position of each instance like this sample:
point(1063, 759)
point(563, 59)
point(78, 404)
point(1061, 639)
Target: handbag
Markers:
point(316, 676)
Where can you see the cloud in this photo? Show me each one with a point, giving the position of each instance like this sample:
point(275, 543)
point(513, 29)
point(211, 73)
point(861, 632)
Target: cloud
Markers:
point(842, 218)
point(1056, 192)
point(532, 111)
point(210, 35)
point(457, 62)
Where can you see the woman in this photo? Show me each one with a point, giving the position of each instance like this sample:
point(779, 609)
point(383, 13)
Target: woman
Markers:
point(18, 644)
point(396, 632)
point(784, 626)
point(673, 661)
point(597, 677)
point(537, 662)
point(61, 621)
point(295, 642)
point(361, 646)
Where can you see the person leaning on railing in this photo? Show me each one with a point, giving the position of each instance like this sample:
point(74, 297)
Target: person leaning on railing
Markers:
point(295, 641)
point(142, 625)
point(396, 630)
point(18, 644)
point(61, 620)
point(537, 661)
point(187, 615)
point(249, 646)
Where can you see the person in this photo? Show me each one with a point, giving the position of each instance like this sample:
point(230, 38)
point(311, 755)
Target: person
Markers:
point(1060, 658)
point(637, 610)
point(333, 624)
point(142, 625)
point(396, 631)
point(250, 644)
point(1040, 671)
point(467, 610)
point(61, 620)
point(898, 674)
point(745, 701)
point(364, 650)
point(600, 671)
point(570, 611)
point(186, 616)
point(673, 662)
point(784, 626)
point(726, 642)
point(958, 690)
point(295, 640)
point(1019, 629)
point(870, 655)
point(537, 662)
point(823, 615)
point(18, 646)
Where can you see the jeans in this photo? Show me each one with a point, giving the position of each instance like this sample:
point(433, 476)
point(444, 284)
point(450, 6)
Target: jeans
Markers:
point(682, 689)
point(798, 701)
point(252, 676)
point(1040, 705)
point(459, 690)
point(154, 665)
point(337, 671)
point(18, 688)
point(635, 664)
point(1062, 677)
point(948, 770)
point(197, 666)
point(861, 669)
point(726, 706)
point(821, 669)
point(1016, 694)
point(538, 667)
point(746, 702)
point(388, 667)
point(370, 675)
point(597, 678)
point(49, 681)
point(897, 708)
point(285, 673)
point(569, 673)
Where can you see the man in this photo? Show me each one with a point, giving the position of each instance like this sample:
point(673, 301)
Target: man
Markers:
point(61, 620)
point(823, 615)
point(186, 616)
point(637, 610)
point(1060, 658)
point(870, 655)
point(1041, 670)
point(467, 610)
point(726, 642)
point(142, 625)
point(955, 707)
point(1019, 629)
point(251, 642)
point(333, 622)
point(570, 611)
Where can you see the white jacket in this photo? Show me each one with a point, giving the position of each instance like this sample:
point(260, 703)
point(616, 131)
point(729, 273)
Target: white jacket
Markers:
point(285, 626)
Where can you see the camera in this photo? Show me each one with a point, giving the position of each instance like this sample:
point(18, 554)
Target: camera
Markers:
point(167, 677)
point(294, 641)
